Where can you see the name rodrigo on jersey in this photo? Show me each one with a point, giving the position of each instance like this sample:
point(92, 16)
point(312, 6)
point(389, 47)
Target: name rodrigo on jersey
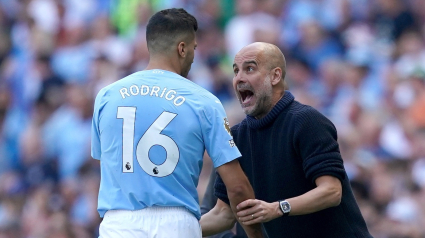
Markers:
point(156, 91)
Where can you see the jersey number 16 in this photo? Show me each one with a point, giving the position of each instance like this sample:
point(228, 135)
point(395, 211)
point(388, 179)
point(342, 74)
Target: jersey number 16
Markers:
point(151, 137)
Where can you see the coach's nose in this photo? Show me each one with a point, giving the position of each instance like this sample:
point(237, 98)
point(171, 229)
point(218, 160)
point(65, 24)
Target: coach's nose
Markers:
point(238, 78)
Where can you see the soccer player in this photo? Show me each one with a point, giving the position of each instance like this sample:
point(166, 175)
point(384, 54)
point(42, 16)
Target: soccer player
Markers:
point(150, 131)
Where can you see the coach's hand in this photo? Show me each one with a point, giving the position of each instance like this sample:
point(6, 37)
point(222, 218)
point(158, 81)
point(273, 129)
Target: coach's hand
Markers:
point(254, 211)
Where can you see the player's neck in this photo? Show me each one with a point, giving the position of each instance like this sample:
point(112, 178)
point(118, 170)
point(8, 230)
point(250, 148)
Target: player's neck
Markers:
point(163, 63)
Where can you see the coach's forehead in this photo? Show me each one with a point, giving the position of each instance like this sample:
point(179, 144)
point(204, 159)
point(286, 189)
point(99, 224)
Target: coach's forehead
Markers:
point(252, 52)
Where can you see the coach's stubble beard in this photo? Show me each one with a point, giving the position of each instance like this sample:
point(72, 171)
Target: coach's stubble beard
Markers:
point(263, 103)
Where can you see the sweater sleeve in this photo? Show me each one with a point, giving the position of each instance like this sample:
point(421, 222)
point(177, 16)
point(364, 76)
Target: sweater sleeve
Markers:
point(315, 139)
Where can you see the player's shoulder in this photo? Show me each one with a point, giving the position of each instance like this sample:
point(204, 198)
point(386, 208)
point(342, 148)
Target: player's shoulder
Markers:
point(199, 91)
point(199, 95)
point(204, 96)
point(208, 97)
point(116, 84)
point(171, 78)
point(103, 92)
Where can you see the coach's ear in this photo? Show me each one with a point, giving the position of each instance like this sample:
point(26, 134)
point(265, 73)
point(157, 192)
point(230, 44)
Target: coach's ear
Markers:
point(182, 49)
point(276, 75)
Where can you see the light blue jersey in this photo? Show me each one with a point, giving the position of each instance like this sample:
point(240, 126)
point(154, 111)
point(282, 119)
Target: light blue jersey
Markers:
point(150, 131)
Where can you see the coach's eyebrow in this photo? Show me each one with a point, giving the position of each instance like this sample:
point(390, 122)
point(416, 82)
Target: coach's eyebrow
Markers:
point(247, 62)
point(250, 62)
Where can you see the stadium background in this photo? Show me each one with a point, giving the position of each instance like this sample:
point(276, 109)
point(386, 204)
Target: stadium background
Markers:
point(360, 62)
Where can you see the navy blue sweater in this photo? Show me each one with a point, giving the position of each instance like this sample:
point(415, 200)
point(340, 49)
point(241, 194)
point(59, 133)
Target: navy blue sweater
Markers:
point(282, 155)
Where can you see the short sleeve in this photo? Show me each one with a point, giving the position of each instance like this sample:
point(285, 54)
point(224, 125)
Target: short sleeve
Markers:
point(316, 141)
point(95, 131)
point(216, 134)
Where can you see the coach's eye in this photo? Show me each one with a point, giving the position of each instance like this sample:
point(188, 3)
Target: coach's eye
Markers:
point(250, 69)
point(235, 71)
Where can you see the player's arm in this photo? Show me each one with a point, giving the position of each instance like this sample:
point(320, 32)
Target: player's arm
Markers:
point(220, 218)
point(95, 132)
point(223, 152)
point(208, 203)
point(327, 194)
point(238, 190)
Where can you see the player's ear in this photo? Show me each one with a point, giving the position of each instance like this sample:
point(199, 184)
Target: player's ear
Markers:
point(276, 75)
point(182, 49)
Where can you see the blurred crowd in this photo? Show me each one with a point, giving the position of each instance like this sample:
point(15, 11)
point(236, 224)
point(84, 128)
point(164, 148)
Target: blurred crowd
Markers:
point(359, 62)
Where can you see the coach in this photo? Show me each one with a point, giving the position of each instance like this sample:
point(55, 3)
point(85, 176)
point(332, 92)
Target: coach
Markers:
point(290, 155)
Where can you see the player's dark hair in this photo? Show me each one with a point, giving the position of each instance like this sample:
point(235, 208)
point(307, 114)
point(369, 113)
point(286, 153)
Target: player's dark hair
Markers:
point(168, 26)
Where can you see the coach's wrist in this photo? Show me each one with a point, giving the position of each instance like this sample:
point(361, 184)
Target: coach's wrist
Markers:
point(277, 209)
point(285, 207)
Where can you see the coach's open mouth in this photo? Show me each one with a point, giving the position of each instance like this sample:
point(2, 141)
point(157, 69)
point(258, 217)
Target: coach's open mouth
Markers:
point(246, 95)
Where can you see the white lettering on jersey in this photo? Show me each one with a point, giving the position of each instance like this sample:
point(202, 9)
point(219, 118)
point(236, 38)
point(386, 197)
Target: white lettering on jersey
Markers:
point(132, 88)
point(181, 102)
point(170, 95)
point(124, 91)
point(142, 91)
point(155, 89)
point(163, 91)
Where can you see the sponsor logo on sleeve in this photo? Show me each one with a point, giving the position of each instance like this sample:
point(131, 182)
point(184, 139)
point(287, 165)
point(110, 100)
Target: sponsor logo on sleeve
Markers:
point(227, 126)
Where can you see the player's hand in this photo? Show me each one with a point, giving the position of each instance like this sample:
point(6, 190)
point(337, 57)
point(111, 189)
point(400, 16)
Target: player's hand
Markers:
point(254, 211)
